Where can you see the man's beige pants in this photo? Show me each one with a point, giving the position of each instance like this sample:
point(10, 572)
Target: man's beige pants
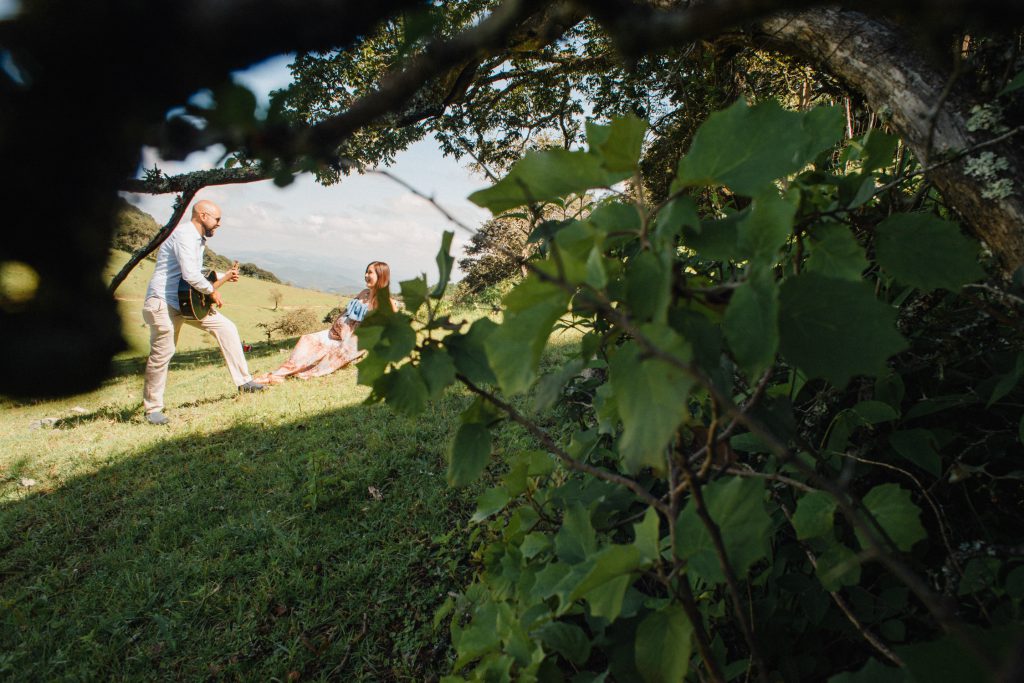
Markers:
point(164, 325)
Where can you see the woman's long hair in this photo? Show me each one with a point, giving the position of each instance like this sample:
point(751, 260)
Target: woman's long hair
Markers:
point(383, 272)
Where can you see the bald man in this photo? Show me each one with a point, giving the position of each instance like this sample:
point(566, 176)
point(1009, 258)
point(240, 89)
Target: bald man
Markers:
point(181, 257)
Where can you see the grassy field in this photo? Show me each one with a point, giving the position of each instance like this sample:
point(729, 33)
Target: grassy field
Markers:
point(295, 535)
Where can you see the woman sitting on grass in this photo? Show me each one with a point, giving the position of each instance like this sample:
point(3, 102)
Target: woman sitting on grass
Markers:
point(321, 353)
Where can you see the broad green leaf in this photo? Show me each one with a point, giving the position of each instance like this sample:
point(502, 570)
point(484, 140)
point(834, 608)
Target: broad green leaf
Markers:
point(896, 513)
point(543, 176)
point(651, 399)
point(611, 562)
point(879, 149)
point(924, 251)
point(716, 240)
point(618, 144)
point(648, 287)
point(949, 660)
point(918, 446)
point(605, 601)
point(395, 339)
point(736, 505)
point(567, 640)
point(469, 453)
point(751, 323)
point(576, 243)
point(414, 293)
point(835, 328)
point(663, 643)
point(874, 412)
point(468, 353)
point(515, 348)
point(681, 211)
point(1016, 84)
point(836, 253)
point(490, 501)
point(534, 543)
point(1008, 382)
point(980, 574)
point(437, 370)
point(444, 264)
point(647, 536)
point(815, 515)
point(403, 390)
point(838, 566)
point(576, 540)
point(480, 637)
point(768, 225)
point(747, 148)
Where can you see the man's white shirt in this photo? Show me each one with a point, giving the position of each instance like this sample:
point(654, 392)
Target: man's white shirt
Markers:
point(180, 256)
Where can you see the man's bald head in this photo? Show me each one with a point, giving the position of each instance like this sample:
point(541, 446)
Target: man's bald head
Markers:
point(206, 217)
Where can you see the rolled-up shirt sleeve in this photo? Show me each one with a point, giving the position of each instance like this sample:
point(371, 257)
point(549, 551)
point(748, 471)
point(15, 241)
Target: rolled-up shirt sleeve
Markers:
point(190, 258)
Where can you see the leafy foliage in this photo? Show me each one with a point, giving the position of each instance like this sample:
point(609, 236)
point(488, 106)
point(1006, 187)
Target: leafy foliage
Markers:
point(731, 389)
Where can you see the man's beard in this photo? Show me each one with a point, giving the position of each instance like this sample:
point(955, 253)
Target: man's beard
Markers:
point(207, 232)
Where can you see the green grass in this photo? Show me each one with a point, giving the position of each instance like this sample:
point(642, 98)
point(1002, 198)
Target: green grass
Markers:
point(242, 542)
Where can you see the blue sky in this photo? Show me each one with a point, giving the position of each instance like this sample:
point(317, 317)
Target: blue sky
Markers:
point(323, 237)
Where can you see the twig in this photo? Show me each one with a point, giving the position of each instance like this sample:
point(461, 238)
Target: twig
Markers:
point(731, 580)
point(179, 210)
point(870, 637)
point(549, 443)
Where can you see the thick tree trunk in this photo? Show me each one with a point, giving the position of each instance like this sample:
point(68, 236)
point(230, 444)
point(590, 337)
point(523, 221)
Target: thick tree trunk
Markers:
point(877, 59)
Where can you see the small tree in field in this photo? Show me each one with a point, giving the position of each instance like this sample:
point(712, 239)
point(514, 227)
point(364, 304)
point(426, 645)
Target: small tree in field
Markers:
point(292, 323)
point(276, 296)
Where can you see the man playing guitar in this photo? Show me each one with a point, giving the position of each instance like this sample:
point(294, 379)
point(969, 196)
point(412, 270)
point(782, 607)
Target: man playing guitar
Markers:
point(181, 258)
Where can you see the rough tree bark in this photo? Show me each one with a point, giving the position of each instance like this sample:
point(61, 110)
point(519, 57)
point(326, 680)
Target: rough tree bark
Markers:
point(877, 59)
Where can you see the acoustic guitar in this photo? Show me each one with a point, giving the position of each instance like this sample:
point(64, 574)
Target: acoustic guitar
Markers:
point(192, 303)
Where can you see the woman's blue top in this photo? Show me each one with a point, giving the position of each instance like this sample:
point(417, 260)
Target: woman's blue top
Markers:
point(356, 310)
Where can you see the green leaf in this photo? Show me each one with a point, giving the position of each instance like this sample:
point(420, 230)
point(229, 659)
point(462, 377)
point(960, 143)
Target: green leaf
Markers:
point(768, 225)
point(918, 446)
point(949, 660)
point(490, 501)
point(469, 453)
point(736, 505)
point(544, 176)
point(618, 144)
point(648, 287)
point(835, 328)
point(836, 253)
point(715, 240)
point(414, 293)
point(605, 600)
point(924, 251)
point(815, 515)
point(444, 264)
point(1008, 382)
point(611, 562)
point(838, 566)
point(468, 353)
point(663, 643)
point(576, 539)
point(681, 211)
point(874, 412)
point(515, 348)
point(879, 149)
point(567, 640)
point(1016, 84)
point(651, 399)
point(747, 148)
point(896, 513)
point(395, 339)
point(751, 323)
point(437, 369)
point(480, 637)
point(403, 390)
point(980, 574)
point(647, 536)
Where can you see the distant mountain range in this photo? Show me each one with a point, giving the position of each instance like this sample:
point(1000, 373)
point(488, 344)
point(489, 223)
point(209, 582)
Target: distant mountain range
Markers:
point(135, 228)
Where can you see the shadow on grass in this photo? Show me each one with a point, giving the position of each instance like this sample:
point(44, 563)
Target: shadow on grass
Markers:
point(250, 555)
point(136, 365)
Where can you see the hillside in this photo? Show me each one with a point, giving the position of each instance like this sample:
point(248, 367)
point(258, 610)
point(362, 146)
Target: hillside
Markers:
point(135, 228)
